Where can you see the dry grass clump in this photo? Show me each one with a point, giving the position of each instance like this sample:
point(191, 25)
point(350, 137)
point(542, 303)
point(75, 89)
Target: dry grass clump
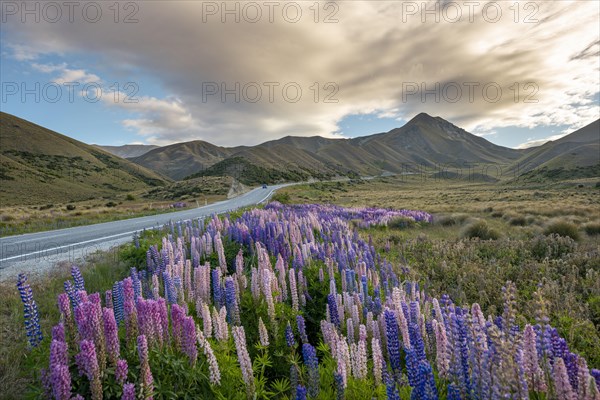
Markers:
point(592, 228)
point(451, 219)
point(563, 228)
point(480, 229)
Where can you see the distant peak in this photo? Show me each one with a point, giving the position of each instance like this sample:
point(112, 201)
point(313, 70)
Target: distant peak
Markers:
point(422, 117)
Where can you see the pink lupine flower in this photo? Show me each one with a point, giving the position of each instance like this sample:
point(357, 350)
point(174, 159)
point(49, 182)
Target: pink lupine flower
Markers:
point(239, 336)
point(147, 382)
point(293, 289)
point(562, 386)
point(533, 373)
point(441, 340)
point(206, 321)
point(263, 334)
point(213, 366)
point(377, 361)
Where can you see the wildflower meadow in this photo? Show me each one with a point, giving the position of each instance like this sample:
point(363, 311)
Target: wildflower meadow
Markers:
point(290, 302)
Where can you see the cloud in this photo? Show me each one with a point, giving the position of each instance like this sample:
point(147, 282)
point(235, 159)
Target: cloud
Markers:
point(381, 58)
point(67, 75)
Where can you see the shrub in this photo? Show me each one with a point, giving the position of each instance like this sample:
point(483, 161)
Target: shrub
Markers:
point(71, 207)
point(562, 228)
point(592, 228)
point(450, 220)
point(497, 214)
point(283, 198)
point(46, 207)
point(402, 223)
point(130, 197)
point(552, 246)
point(480, 229)
point(518, 221)
point(111, 204)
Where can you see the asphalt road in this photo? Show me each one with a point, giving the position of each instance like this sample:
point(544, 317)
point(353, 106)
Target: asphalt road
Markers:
point(32, 250)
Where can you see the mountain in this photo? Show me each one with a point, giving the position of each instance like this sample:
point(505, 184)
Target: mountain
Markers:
point(423, 141)
point(575, 156)
point(128, 150)
point(38, 165)
point(578, 149)
point(182, 159)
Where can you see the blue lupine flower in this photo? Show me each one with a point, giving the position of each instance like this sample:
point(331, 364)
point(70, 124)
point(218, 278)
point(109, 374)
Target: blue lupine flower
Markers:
point(392, 390)
point(301, 328)
point(117, 298)
point(393, 345)
point(32, 317)
point(333, 311)
point(216, 284)
point(300, 393)
point(338, 381)
point(312, 364)
point(137, 285)
point(233, 315)
point(170, 291)
point(425, 388)
point(289, 336)
point(77, 278)
point(70, 291)
point(453, 393)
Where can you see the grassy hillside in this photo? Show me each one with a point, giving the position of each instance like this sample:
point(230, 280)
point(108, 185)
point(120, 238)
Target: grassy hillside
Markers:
point(39, 166)
point(424, 140)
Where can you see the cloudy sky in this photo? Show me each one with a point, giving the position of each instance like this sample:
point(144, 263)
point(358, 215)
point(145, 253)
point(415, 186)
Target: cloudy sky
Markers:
point(231, 73)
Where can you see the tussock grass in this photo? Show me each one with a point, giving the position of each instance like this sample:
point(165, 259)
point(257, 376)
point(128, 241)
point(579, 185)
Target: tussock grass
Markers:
point(563, 228)
point(480, 229)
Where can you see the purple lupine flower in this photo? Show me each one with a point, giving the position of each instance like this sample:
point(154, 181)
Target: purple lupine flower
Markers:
point(121, 371)
point(128, 391)
point(393, 345)
point(111, 335)
point(453, 392)
point(30, 311)
point(177, 316)
point(312, 364)
point(147, 381)
point(88, 366)
point(61, 382)
point(301, 328)
point(58, 332)
point(188, 342)
point(289, 336)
